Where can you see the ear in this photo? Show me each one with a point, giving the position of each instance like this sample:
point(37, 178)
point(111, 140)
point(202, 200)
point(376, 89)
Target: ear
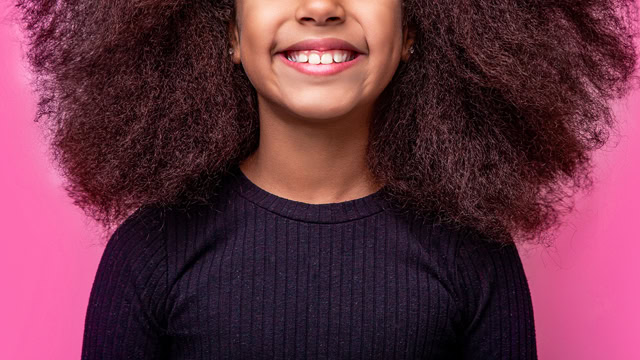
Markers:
point(408, 39)
point(234, 42)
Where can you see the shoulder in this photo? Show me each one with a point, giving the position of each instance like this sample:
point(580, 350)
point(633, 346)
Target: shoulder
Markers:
point(489, 276)
point(137, 246)
point(138, 237)
point(143, 222)
point(493, 292)
point(478, 252)
point(483, 265)
point(152, 226)
point(131, 274)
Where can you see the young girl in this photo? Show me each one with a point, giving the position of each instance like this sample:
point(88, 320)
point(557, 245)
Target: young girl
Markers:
point(331, 179)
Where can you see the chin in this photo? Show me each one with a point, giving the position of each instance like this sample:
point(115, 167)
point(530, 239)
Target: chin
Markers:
point(322, 108)
point(321, 114)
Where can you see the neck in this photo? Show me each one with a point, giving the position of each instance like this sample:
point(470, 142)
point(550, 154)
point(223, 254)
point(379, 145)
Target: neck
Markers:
point(310, 160)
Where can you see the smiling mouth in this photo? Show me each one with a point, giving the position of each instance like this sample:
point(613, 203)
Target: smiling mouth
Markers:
point(324, 65)
point(315, 57)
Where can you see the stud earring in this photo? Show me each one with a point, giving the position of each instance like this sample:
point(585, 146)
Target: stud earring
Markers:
point(411, 51)
point(230, 51)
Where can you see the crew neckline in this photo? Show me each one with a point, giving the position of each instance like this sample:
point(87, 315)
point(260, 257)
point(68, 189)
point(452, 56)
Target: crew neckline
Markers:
point(319, 213)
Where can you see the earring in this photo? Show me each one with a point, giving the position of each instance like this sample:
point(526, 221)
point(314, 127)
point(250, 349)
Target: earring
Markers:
point(230, 51)
point(411, 51)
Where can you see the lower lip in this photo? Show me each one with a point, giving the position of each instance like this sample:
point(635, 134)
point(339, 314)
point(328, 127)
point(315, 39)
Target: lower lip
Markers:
point(320, 69)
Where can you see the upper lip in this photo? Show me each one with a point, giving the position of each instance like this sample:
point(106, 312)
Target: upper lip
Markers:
point(323, 44)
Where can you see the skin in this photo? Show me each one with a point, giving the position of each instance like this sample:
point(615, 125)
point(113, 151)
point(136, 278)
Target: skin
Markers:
point(314, 130)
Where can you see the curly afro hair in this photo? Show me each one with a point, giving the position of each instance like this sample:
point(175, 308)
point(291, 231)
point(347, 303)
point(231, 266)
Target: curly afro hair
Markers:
point(489, 125)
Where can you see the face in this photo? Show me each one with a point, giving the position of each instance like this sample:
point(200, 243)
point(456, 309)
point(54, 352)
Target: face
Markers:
point(263, 29)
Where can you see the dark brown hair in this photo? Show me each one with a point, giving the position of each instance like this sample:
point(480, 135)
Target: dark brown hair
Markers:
point(490, 124)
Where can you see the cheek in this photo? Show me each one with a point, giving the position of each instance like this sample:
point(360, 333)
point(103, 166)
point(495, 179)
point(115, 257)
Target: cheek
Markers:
point(382, 24)
point(384, 36)
point(255, 48)
point(255, 37)
point(261, 20)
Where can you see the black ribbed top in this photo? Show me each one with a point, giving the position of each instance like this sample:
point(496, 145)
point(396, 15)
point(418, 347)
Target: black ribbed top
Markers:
point(257, 276)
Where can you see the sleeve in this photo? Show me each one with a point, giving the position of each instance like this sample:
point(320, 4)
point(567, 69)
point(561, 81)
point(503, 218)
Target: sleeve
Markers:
point(498, 320)
point(122, 319)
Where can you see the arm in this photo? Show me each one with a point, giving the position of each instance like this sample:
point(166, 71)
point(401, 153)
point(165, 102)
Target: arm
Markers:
point(498, 320)
point(121, 320)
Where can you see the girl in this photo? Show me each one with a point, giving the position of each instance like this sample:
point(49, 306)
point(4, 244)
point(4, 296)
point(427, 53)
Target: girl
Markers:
point(322, 178)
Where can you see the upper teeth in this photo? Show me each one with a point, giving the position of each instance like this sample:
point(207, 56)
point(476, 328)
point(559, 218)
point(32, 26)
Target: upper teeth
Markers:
point(320, 57)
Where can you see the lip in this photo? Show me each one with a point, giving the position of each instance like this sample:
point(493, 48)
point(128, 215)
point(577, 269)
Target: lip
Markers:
point(323, 44)
point(320, 69)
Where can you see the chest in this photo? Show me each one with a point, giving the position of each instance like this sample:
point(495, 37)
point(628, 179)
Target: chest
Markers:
point(312, 292)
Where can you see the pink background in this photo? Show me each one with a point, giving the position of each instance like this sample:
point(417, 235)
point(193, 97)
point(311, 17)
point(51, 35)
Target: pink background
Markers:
point(586, 290)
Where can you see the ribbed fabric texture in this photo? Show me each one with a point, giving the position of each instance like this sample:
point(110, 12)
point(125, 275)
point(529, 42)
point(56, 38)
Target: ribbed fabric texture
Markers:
point(257, 276)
